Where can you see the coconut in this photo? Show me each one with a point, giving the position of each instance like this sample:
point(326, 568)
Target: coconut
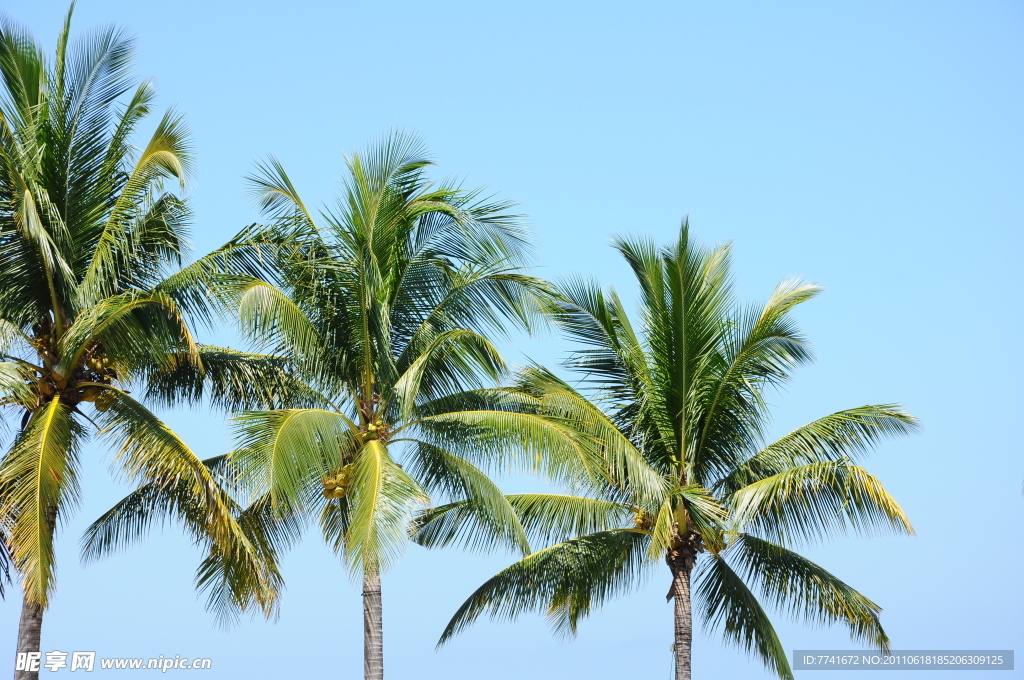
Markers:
point(104, 400)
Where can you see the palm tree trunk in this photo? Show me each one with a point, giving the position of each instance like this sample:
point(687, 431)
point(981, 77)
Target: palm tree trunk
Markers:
point(681, 559)
point(373, 628)
point(683, 620)
point(29, 632)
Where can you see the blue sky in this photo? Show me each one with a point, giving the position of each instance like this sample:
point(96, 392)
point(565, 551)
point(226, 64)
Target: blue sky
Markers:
point(872, 147)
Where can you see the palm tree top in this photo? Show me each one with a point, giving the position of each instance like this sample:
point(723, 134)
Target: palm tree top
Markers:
point(666, 448)
point(92, 301)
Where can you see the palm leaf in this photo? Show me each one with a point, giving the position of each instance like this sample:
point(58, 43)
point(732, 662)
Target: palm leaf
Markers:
point(382, 500)
point(727, 602)
point(565, 581)
point(39, 476)
point(800, 587)
point(820, 499)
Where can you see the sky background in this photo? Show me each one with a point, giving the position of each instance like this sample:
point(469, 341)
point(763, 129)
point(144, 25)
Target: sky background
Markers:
point(872, 147)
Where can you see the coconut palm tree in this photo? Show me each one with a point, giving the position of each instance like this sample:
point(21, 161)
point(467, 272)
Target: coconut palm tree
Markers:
point(386, 304)
point(90, 305)
point(683, 388)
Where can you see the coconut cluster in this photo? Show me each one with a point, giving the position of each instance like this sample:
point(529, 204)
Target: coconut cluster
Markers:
point(100, 369)
point(336, 486)
point(643, 520)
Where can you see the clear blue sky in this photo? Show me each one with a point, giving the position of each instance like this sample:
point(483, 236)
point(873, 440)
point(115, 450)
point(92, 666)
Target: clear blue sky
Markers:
point(873, 147)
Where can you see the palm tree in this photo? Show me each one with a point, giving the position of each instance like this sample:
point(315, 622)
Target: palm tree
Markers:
point(683, 390)
point(385, 304)
point(90, 306)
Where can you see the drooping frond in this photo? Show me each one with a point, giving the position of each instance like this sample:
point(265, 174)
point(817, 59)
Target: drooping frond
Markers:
point(566, 581)
point(232, 380)
point(284, 452)
point(485, 519)
point(275, 193)
point(39, 479)
point(243, 575)
point(726, 603)
point(454, 359)
point(140, 329)
point(152, 504)
point(800, 587)
point(209, 286)
point(382, 498)
point(627, 471)
point(818, 500)
point(152, 454)
point(554, 518)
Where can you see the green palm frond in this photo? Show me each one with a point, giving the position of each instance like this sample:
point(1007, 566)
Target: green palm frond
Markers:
point(565, 581)
point(139, 328)
point(275, 193)
point(548, 518)
point(845, 434)
point(727, 603)
point(382, 499)
point(484, 520)
point(760, 348)
point(285, 452)
point(39, 476)
point(175, 480)
point(452, 360)
point(273, 321)
point(15, 381)
point(807, 502)
point(527, 442)
point(128, 234)
point(800, 587)
point(243, 575)
point(232, 380)
point(554, 518)
point(151, 504)
point(210, 285)
point(626, 469)
point(149, 451)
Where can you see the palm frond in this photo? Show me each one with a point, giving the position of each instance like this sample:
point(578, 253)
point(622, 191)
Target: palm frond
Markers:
point(727, 603)
point(566, 581)
point(232, 380)
point(808, 502)
point(244, 575)
point(802, 588)
point(284, 452)
point(482, 519)
point(453, 360)
point(845, 434)
point(153, 504)
point(382, 498)
point(39, 476)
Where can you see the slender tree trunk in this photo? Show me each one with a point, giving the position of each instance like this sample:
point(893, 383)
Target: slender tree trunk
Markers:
point(29, 632)
point(681, 560)
point(373, 628)
point(683, 622)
